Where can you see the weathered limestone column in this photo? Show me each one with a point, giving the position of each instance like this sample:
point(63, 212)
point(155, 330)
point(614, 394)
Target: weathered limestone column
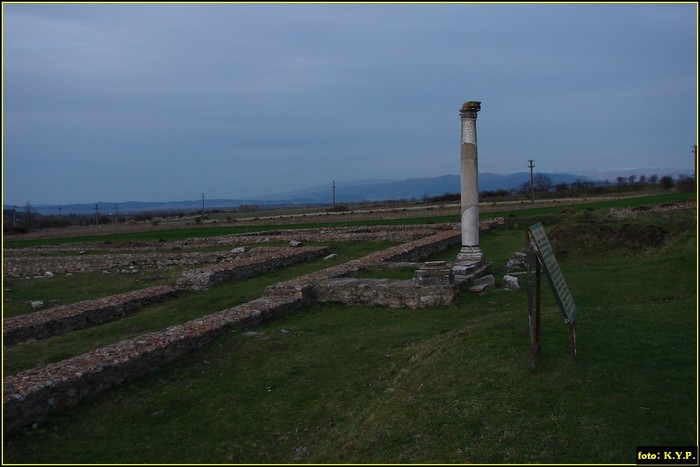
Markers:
point(470, 253)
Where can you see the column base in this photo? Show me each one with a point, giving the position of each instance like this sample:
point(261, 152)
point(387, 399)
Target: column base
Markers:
point(470, 254)
point(474, 277)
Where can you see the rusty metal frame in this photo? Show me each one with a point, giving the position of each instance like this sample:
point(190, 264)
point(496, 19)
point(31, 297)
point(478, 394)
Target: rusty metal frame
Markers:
point(535, 312)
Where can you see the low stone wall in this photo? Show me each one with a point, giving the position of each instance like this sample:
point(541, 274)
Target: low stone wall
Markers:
point(38, 265)
point(383, 292)
point(204, 278)
point(66, 318)
point(405, 211)
point(32, 395)
point(412, 251)
point(393, 233)
point(396, 233)
point(420, 249)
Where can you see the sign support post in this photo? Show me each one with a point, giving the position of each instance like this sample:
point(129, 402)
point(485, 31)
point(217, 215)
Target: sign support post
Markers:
point(534, 291)
point(574, 352)
point(540, 253)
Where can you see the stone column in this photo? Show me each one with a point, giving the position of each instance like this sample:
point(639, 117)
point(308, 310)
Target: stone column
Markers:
point(470, 253)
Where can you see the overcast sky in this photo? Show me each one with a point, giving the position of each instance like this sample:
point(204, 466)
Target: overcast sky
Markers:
point(160, 102)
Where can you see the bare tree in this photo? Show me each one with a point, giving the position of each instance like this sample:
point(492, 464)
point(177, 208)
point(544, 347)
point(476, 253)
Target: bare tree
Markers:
point(28, 214)
point(525, 187)
point(543, 182)
point(666, 182)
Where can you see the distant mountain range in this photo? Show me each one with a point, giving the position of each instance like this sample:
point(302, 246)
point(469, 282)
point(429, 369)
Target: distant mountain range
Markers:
point(414, 188)
point(347, 192)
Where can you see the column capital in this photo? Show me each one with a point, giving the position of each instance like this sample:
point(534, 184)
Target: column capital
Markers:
point(469, 109)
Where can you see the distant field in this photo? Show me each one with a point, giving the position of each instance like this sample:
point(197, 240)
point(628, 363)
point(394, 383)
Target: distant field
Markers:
point(399, 216)
point(437, 385)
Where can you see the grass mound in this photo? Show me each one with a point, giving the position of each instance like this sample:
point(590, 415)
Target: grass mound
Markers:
point(639, 230)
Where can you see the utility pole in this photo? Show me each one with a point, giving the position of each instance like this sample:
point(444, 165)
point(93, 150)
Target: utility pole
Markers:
point(97, 215)
point(116, 215)
point(202, 206)
point(532, 182)
point(695, 165)
point(333, 193)
point(59, 212)
point(14, 218)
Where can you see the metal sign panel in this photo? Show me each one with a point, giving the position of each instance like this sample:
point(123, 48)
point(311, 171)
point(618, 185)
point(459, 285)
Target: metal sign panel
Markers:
point(561, 292)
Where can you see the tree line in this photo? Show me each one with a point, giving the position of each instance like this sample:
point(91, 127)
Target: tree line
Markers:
point(542, 183)
point(26, 219)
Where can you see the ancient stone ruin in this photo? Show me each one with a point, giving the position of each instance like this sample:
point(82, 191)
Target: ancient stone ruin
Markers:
point(31, 395)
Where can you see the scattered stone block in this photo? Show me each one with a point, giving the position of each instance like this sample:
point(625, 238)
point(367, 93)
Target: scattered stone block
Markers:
point(463, 269)
point(295, 244)
point(488, 280)
point(434, 273)
point(517, 261)
point(465, 274)
point(511, 282)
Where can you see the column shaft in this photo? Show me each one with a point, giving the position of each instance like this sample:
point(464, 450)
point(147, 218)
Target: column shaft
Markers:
point(470, 184)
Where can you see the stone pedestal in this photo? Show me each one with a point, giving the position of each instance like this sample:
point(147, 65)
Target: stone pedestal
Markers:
point(469, 272)
point(434, 273)
point(470, 254)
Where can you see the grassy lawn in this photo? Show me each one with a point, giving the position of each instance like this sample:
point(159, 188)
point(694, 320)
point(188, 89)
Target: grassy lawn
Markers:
point(331, 384)
point(62, 289)
point(152, 317)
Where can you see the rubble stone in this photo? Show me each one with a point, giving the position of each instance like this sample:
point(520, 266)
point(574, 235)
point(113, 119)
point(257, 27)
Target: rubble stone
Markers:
point(511, 282)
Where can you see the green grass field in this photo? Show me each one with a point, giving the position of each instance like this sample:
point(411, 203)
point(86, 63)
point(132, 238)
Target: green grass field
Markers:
point(189, 232)
point(331, 384)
